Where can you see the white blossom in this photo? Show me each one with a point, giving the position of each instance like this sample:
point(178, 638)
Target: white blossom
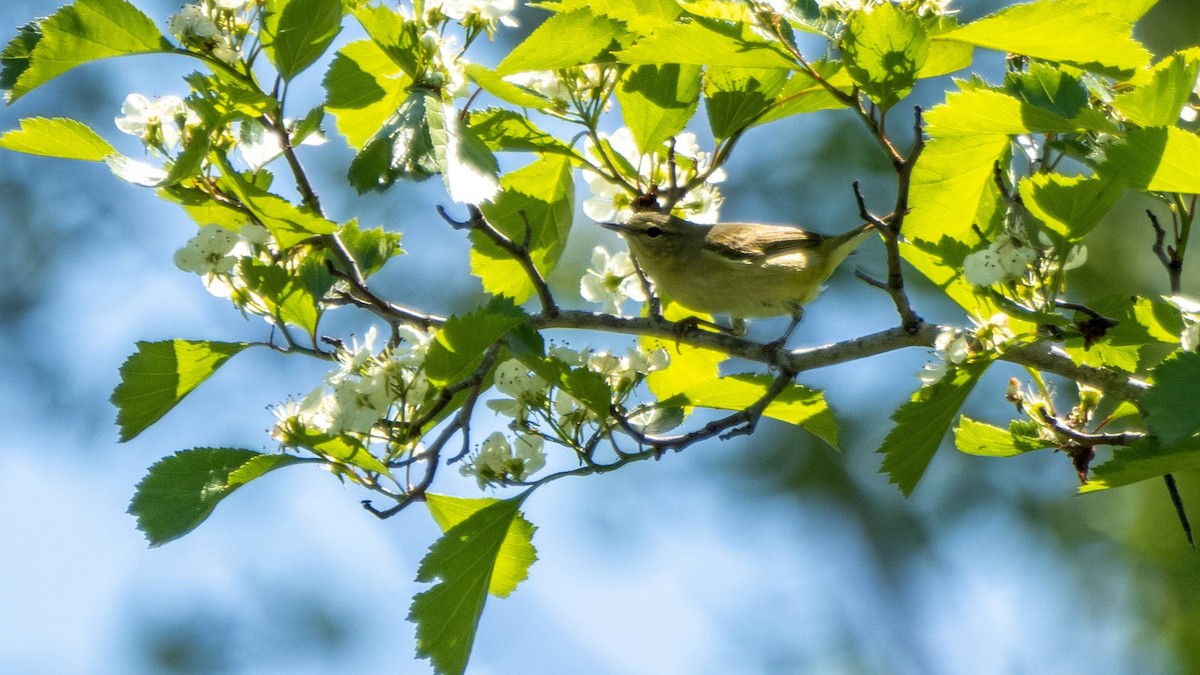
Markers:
point(612, 202)
point(208, 252)
point(192, 24)
point(611, 280)
point(156, 123)
point(497, 460)
point(526, 391)
point(1005, 259)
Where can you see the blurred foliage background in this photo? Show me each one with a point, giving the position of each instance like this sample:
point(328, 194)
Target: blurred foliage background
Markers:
point(769, 554)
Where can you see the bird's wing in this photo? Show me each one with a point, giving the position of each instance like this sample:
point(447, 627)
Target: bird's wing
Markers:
point(740, 241)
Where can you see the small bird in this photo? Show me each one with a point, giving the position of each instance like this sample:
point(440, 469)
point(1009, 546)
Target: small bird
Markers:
point(743, 270)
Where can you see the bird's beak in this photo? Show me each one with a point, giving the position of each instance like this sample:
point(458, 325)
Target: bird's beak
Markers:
point(619, 228)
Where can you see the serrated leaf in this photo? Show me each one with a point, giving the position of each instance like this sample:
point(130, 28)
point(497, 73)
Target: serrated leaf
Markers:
point(516, 553)
point(284, 292)
point(539, 196)
point(507, 130)
point(564, 40)
point(797, 404)
point(1089, 34)
point(14, 59)
point(492, 547)
point(457, 349)
point(641, 16)
point(657, 100)
point(735, 98)
point(705, 42)
point(1157, 159)
point(802, 94)
point(1144, 460)
point(491, 82)
point(1173, 403)
point(1158, 102)
point(84, 31)
point(201, 207)
point(468, 168)
point(363, 88)
point(160, 374)
point(1071, 205)
point(393, 34)
point(342, 449)
point(297, 32)
point(1049, 88)
point(884, 49)
point(371, 248)
point(978, 438)
point(688, 366)
point(57, 137)
point(179, 492)
point(289, 224)
point(922, 423)
point(403, 148)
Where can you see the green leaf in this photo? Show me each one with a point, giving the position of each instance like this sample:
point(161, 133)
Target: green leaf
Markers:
point(284, 292)
point(657, 101)
point(538, 196)
point(1071, 206)
point(179, 492)
point(796, 405)
point(923, 422)
point(802, 94)
point(1094, 35)
point(977, 438)
point(1049, 88)
point(344, 450)
point(394, 35)
point(735, 98)
point(363, 88)
point(705, 42)
point(688, 366)
point(1158, 102)
point(203, 208)
point(402, 148)
point(1173, 403)
point(14, 59)
point(641, 16)
point(289, 224)
point(884, 49)
point(457, 349)
point(86, 30)
point(371, 248)
point(1157, 159)
point(57, 137)
point(491, 82)
point(564, 40)
point(944, 57)
point(1144, 460)
point(297, 32)
point(468, 168)
point(160, 374)
point(507, 130)
point(489, 549)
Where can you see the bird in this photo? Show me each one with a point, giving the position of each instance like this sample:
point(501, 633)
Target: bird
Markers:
point(742, 270)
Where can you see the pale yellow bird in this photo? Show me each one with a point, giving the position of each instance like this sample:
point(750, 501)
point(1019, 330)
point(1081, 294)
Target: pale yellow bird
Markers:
point(743, 270)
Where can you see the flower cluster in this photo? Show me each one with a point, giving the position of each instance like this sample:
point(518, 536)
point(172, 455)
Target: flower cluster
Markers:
point(611, 280)
point(160, 124)
point(610, 201)
point(473, 14)
point(214, 253)
point(1009, 259)
point(540, 410)
point(367, 387)
point(582, 83)
point(212, 27)
point(954, 347)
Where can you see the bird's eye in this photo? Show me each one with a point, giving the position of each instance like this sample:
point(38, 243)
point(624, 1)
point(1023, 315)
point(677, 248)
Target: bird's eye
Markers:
point(653, 232)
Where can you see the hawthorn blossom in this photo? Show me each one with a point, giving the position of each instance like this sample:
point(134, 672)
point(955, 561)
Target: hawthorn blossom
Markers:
point(611, 280)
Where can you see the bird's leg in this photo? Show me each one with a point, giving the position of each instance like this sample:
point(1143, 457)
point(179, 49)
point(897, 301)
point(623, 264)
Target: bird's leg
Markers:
point(779, 342)
point(691, 323)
